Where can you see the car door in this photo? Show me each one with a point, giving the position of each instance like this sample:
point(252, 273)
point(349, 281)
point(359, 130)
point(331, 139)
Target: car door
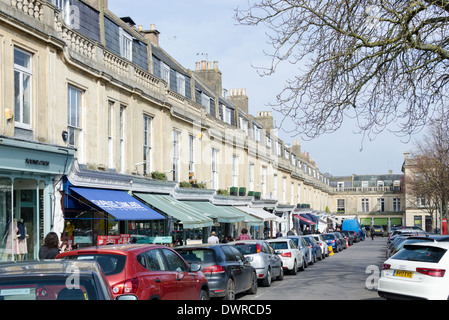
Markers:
point(274, 259)
point(158, 281)
point(235, 267)
point(187, 284)
point(295, 252)
point(246, 269)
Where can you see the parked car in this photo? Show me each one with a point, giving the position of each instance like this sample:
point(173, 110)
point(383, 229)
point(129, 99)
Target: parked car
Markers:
point(354, 226)
point(323, 245)
point(146, 271)
point(302, 245)
point(341, 239)
point(350, 236)
point(267, 263)
point(377, 230)
point(292, 258)
point(333, 241)
point(418, 271)
point(316, 249)
point(50, 280)
point(347, 237)
point(406, 240)
point(227, 271)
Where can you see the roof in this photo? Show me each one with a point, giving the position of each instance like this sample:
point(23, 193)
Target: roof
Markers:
point(47, 267)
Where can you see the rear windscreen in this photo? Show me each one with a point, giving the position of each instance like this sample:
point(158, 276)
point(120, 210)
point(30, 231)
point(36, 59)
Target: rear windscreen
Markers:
point(420, 253)
point(279, 245)
point(328, 237)
point(198, 255)
point(110, 263)
point(246, 248)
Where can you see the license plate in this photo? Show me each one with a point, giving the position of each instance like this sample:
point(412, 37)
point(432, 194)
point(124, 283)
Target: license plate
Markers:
point(403, 274)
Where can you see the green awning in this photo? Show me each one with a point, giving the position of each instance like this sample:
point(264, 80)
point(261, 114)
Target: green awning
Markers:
point(189, 217)
point(365, 222)
point(251, 220)
point(217, 212)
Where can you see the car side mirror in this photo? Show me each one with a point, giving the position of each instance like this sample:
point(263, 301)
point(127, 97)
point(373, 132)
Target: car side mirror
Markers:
point(195, 267)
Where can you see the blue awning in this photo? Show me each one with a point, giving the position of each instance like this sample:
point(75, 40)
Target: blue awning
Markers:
point(119, 204)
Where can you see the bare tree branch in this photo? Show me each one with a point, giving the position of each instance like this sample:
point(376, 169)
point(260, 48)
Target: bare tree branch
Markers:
point(382, 62)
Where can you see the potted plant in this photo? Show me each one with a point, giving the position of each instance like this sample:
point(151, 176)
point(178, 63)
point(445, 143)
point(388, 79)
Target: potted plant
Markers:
point(222, 192)
point(242, 191)
point(159, 175)
point(234, 191)
point(257, 195)
point(251, 193)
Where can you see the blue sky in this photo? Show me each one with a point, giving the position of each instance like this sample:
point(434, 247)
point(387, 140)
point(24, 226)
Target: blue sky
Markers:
point(198, 30)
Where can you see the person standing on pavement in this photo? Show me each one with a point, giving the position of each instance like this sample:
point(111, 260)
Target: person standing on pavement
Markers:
point(244, 235)
point(213, 238)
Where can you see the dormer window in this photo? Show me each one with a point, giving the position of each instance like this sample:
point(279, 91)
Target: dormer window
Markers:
point(126, 45)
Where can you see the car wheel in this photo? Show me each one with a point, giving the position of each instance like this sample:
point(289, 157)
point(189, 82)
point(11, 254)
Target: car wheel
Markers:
point(280, 277)
point(230, 290)
point(203, 295)
point(253, 288)
point(267, 281)
point(304, 265)
point(294, 271)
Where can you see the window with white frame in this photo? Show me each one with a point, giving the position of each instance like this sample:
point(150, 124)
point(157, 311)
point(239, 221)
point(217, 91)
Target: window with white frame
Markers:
point(191, 153)
point(292, 192)
point(126, 45)
point(294, 160)
point(396, 204)
point(165, 72)
point(214, 169)
point(251, 177)
point(299, 193)
point(380, 204)
point(181, 84)
point(284, 189)
point(256, 132)
point(235, 171)
point(341, 205)
point(176, 151)
point(365, 205)
point(74, 104)
point(205, 102)
point(279, 149)
point(264, 182)
point(244, 125)
point(22, 88)
point(110, 125)
point(122, 131)
point(275, 187)
point(147, 143)
point(286, 154)
point(227, 113)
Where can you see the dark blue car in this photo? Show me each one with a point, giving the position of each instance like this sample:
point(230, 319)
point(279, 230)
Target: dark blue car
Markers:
point(333, 240)
point(316, 249)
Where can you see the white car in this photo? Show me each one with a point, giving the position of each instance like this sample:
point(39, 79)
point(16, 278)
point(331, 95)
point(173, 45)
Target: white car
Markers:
point(323, 244)
point(418, 271)
point(292, 258)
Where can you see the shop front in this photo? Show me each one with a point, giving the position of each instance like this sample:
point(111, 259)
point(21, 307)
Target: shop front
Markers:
point(99, 208)
point(29, 177)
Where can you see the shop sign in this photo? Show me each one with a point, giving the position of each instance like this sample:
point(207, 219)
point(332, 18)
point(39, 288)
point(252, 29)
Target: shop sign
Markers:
point(121, 239)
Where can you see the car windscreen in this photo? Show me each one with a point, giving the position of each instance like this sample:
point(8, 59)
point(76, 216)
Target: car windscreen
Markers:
point(198, 255)
point(279, 245)
point(420, 253)
point(328, 237)
point(39, 287)
point(110, 263)
point(247, 248)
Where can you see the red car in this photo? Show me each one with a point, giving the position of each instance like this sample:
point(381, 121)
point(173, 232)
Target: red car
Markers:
point(146, 271)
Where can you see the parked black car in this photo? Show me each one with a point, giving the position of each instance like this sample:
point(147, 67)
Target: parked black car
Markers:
point(228, 272)
point(350, 235)
point(316, 249)
point(53, 280)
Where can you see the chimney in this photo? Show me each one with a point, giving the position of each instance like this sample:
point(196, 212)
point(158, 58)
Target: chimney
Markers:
point(296, 147)
point(239, 98)
point(265, 118)
point(209, 73)
point(152, 35)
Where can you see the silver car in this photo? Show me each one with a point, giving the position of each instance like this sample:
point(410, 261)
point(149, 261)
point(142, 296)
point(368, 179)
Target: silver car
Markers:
point(267, 263)
point(323, 245)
